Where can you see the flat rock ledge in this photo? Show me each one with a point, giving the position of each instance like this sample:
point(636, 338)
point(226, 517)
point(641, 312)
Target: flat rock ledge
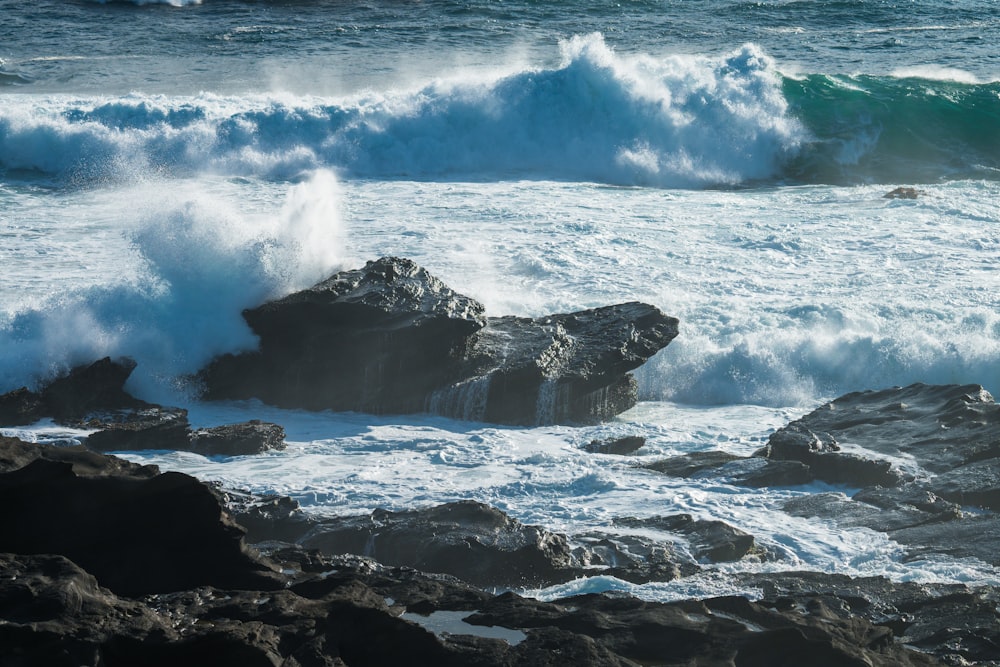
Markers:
point(919, 463)
point(391, 338)
point(93, 397)
point(106, 563)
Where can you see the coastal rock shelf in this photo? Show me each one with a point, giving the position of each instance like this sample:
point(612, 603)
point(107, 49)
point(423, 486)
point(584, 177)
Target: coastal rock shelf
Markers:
point(166, 579)
point(391, 338)
point(922, 464)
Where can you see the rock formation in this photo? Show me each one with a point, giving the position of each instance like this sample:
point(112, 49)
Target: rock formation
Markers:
point(924, 457)
point(391, 338)
point(119, 565)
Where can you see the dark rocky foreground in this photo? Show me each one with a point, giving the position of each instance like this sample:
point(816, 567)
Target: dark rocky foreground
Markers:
point(109, 563)
point(105, 562)
point(391, 338)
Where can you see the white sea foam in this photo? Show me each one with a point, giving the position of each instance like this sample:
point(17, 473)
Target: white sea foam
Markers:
point(679, 121)
point(936, 73)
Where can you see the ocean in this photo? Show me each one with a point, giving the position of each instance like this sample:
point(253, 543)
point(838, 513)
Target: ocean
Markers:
point(164, 165)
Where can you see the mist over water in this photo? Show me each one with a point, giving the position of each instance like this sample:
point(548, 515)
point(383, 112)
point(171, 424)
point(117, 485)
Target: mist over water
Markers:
point(197, 262)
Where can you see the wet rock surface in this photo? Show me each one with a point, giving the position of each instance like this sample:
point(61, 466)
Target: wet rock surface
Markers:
point(91, 577)
point(93, 397)
point(391, 338)
point(106, 562)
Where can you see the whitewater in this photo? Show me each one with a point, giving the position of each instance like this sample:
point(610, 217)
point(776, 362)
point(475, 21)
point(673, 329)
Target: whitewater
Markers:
point(738, 185)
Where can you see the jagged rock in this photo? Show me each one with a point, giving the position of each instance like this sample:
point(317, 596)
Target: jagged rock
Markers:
point(137, 535)
point(20, 407)
point(321, 611)
point(904, 193)
point(377, 339)
point(619, 446)
point(474, 542)
point(826, 461)
point(97, 387)
point(565, 368)
point(148, 428)
point(246, 439)
point(714, 541)
point(633, 558)
point(266, 518)
point(939, 428)
point(391, 338)
point(15, 454)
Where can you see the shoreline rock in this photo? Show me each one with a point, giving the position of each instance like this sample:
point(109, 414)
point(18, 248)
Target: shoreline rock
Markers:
point(299, 607)
point(391, 338)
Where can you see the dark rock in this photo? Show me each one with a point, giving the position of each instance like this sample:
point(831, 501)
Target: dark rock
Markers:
point(474, 542)
point(634, 558)
point(137, 535)
point(758, 473)
point(566, 368)
point(15, 454)
point(378, 339)
point(87, 389)
point(20, 407)
point(952, 622)
point(148, 428)
point(823, 455)
point(904, 193)
point(391, 338)
point(972, 537)
point(688, 465)
point(937, 427)
point(714, 541)
point(97, 387)
point(741, 471)
point(976, 483)
point(267, 518)
point(619, 446)
point(246, 439)
point(912, 516)
point(358, 613)
point(847, 513)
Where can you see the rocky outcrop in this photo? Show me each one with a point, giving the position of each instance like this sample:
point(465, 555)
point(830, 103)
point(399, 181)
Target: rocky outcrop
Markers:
point(948, 436)
point(108, 563)
point(137, 534)
point(93, 397)
point(919, 463)
point(95, 387)
point(469, 540)
point(355, 612)
point(391, 338)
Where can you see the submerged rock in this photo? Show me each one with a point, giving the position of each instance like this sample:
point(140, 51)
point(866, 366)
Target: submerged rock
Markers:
point(391, 338)
point(623, 446)
point(904, 193)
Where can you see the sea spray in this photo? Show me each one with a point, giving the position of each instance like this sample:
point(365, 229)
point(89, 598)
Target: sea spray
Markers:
point(203, 262)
